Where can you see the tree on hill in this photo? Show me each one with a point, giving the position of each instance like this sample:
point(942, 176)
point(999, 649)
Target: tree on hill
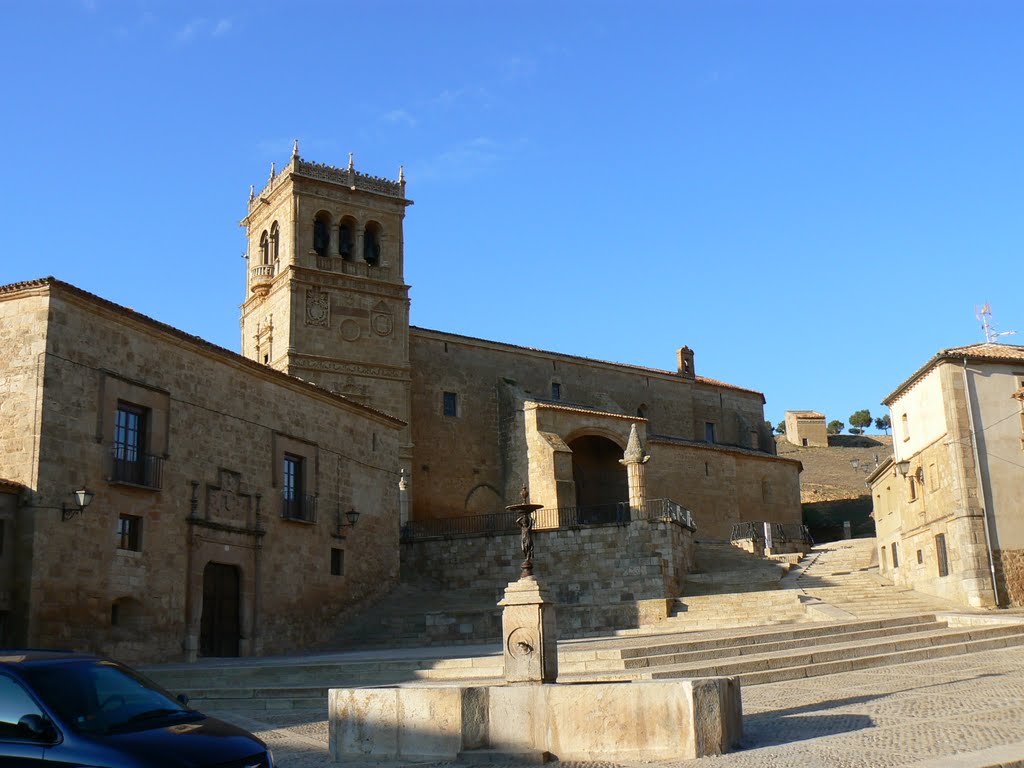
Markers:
point(781, 427)
point(883, 423)
point(835, 427)
point(861, 420)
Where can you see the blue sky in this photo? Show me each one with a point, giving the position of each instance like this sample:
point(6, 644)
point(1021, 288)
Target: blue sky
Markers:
point(812, 195)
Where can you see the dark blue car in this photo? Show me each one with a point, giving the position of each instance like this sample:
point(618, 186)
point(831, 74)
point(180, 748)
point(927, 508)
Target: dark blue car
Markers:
point(74, 709)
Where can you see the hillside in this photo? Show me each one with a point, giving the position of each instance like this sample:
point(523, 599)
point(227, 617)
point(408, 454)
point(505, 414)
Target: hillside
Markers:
point(828, 474)
point(832, 490)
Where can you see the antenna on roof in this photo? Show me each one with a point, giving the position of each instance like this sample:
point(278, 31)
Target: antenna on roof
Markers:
point(984, 315)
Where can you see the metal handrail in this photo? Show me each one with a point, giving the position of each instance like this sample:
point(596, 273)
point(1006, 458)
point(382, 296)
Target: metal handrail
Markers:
point(780, 531)
point(142, 469)
point(298, 507)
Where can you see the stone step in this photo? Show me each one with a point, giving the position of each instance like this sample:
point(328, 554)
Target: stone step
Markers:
point(804, 633)
point(839, 656)
point(685, 657)
point(757, 657)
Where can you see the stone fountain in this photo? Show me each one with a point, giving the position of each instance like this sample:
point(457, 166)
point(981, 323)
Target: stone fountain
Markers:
point(528, 625)
point(531, 718)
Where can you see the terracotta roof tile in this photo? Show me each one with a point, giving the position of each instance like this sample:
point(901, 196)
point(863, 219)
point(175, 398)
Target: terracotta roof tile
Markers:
point(699, 379)
point(983, 352)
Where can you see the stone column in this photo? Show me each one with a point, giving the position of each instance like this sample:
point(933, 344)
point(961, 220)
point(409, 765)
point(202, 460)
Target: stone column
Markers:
point(403, 499)
point(357, 246)
point(634, 460)
point(332, 240)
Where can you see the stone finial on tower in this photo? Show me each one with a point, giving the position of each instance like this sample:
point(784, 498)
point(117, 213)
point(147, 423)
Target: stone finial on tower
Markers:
point(252, 192)
point(273, 169)
point(295, 149)
point(684, 359)
point(351, 165)
point(401, 174)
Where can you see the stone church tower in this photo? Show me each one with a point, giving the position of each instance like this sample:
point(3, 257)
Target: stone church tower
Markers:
point(326, 298)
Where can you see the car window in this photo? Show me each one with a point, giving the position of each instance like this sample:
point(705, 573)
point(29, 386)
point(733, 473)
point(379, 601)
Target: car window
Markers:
point(98, 696)
point(15, 703)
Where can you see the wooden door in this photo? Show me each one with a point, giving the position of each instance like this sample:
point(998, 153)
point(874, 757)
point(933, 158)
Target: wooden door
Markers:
point(220, 627)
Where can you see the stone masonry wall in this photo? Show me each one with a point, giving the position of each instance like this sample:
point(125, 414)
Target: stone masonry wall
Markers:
point(1010, 576)
point(221, 425)
point(604, 564)
point(483, 446)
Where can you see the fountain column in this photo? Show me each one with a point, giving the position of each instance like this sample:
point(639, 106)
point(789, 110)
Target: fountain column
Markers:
point(528, 627)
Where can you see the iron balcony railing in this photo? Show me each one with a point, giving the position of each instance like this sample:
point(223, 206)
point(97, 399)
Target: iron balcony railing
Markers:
point(549, 518)
point(140, 469)
point(780, 532)
point(298, 507)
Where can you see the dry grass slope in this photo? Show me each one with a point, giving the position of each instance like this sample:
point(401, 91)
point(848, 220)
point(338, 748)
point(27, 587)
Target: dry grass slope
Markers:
point(828, 474)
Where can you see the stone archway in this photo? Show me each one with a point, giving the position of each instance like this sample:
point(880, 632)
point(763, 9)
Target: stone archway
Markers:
point(600, 478)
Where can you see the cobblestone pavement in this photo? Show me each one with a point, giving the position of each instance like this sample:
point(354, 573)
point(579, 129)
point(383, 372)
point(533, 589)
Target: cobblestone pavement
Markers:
point(964, 711)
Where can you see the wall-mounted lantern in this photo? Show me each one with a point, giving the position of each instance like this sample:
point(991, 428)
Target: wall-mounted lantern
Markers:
point(351, 516)
point(83, 497)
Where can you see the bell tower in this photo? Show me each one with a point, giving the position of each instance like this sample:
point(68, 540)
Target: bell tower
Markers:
point(325, 294)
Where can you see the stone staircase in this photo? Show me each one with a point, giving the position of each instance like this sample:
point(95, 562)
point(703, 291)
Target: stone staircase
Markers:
point(757, 656)
point(420, 614)
point(761, 635)
point(840, 580)
point(723, 568)
point(800, 651)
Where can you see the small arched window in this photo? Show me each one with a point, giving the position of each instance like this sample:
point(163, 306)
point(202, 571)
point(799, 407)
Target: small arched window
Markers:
point(275, 243)
point(641, 411)
point(321, 234)
point(371, 245)
point(345, 239)
point(264, 248)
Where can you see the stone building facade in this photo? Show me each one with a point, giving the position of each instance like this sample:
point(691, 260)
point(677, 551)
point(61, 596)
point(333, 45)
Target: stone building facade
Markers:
point(949, 505)
point(326, 300)
point(221, 482)
point(806, 429)
point(218, 483)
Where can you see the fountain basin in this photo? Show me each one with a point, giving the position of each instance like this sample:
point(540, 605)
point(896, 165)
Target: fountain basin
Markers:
point(641, 720)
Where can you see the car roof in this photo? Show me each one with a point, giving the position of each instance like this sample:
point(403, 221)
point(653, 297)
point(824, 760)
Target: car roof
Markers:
point(19, 656)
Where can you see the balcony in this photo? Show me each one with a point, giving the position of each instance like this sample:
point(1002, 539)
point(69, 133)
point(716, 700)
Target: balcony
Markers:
point(260, 278)
point(300, 508)
point(143, 470)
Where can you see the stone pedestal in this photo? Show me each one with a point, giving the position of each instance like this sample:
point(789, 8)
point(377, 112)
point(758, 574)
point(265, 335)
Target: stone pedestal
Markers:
point(529, 633)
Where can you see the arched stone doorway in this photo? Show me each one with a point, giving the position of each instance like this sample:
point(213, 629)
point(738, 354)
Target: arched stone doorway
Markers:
point(220, 626)
point(601, 481)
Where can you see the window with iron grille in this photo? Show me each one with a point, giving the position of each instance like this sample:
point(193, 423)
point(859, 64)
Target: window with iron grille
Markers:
point(940, 554)
point(451, 404)
point(709, 432)
point(129, 533)
point(296, 504)
point(337, 561)
point(130, 436)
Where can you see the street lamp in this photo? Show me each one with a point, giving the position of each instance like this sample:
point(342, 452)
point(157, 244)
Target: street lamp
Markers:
point(352, 516)
point(83, 497)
